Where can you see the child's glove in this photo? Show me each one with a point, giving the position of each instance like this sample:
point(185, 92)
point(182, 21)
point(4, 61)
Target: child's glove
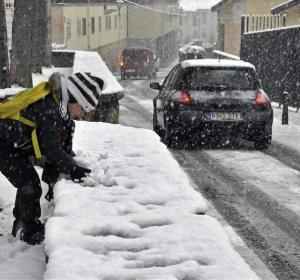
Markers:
point(78, 173)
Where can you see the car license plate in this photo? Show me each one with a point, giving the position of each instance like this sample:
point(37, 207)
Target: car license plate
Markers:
point(224, 116)
point(129, 70)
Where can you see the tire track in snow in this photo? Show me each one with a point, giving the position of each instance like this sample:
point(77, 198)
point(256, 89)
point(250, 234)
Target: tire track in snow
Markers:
point(249, 211)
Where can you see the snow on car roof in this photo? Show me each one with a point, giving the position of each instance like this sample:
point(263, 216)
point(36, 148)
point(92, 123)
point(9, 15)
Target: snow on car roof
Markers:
point(216, 63)
point(192, 49)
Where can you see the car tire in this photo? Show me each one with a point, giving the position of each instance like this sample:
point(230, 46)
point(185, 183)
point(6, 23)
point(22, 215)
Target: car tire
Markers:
point(123, 77)
point(156, 128)
point(262, 142)
point(170, 139)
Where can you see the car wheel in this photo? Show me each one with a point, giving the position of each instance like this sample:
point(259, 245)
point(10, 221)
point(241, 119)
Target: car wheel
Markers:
point(170, 138)
point(156, 128)
point(262, 142)
point(123, 77)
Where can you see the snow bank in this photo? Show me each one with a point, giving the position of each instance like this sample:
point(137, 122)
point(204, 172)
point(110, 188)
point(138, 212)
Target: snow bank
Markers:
point(135, 217)
point(85, 61)
point(194, 5)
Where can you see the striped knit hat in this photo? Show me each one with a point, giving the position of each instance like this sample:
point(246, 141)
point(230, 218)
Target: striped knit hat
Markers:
point(85, 88)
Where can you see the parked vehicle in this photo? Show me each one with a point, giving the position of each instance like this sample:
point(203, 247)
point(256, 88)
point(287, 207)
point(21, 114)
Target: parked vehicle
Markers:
point(204, 97)
point(138, 62)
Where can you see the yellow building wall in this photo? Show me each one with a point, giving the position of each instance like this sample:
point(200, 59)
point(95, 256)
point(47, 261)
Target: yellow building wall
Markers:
point(232, 27)
point(57, 25)
point(261, 6)
point(293, 16)
point(160, 24)
point(62, 14)
point(232, 23)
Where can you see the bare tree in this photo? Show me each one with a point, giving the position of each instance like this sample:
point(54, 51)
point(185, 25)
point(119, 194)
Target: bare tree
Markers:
point(21, 67)
point(41, 55)
point(3, 48)
point(31, 42)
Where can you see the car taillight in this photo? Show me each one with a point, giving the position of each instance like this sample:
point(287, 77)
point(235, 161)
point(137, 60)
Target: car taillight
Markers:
point(182, 97)
point(262, 98)
point(122, 63)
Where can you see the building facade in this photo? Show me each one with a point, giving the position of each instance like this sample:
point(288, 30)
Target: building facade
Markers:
point(90, 26)
point(229, 20)
point(154, 25)
point(200, 25)
point(104, 26)
point(292, 11)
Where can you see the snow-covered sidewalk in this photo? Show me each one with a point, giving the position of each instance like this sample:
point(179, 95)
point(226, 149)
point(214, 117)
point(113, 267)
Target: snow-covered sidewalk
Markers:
point(287, 135)
point(136, 217)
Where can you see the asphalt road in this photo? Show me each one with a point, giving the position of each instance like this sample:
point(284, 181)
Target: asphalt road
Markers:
point(268, 233)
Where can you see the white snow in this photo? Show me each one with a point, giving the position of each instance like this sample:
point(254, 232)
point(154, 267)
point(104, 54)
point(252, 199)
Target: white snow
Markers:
point(273, 29)
point(191, 48)
point(135, 217)
point(216, 63)
point(85, 61)
point(228, 55)
point(194, 5)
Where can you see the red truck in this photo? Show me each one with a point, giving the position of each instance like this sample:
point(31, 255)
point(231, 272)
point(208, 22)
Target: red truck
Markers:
point(138, 62)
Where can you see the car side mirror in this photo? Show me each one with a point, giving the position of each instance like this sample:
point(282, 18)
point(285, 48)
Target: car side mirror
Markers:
point(155, 86)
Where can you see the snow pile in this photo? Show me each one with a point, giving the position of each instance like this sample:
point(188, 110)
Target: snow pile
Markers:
point(135, 217)
point(85, 61)
point(194, 5)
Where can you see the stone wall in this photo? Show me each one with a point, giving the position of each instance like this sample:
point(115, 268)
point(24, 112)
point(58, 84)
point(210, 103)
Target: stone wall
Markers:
point(276, 56)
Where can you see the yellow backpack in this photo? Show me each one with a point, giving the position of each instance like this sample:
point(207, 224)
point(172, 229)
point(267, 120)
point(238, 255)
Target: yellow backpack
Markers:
point(11, 109)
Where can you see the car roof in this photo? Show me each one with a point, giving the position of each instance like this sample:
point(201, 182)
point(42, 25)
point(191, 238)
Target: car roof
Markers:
point(137, 49)
point(191, 49)
point(228, 63)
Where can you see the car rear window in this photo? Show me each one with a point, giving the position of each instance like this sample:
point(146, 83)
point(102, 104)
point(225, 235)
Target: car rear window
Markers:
point(219, 78)
point(136, 54)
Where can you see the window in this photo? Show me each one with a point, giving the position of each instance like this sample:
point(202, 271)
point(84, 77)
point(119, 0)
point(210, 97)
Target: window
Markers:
point(174, 78)
point(99, 24)
point(83, 26)
point(166, 83)
point(93, 25)
point(212, 78)
point(116, 21)
point(107, 23)
point(68, 27)
point(120, 21)
point(79, 27)
point(204, 19)
point(194, 21)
